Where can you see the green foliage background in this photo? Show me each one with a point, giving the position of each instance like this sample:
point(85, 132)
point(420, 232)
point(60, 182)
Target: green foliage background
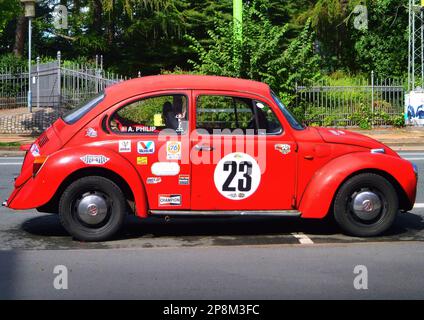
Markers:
point(285, 42)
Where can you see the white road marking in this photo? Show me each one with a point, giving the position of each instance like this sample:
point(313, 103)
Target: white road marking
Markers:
point(10, 163)
point(303, 238)
point(418, 205)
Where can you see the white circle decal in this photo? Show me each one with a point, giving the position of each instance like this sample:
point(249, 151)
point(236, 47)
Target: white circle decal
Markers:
point(237, 176)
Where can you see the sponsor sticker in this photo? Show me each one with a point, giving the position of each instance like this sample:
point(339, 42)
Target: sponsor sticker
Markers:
point(153, 180)
point(35, 151)
point(237, 176)
point(173, 150)
point(283, 148)
point(94, 159)
point(146, 147)
point(183, 179)
point(142, 161)
point(169, 200)
point(124, 146)
point(140, 128)
point(337, 132)
point(91, 132)
point(165, 168)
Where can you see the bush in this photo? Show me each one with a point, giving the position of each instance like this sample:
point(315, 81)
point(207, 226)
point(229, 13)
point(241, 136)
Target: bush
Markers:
point(263, 54)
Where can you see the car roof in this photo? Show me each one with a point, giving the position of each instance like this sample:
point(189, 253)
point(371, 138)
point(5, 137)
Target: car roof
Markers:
point(147, 84)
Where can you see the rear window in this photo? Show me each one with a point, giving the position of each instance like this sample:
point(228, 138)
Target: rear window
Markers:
point(75, 114)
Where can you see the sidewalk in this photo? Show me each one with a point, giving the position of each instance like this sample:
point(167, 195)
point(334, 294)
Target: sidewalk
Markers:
point(404, 139)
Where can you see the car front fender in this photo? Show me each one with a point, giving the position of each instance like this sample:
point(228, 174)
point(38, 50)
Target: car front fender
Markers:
point(320, 191)
point(39, 190)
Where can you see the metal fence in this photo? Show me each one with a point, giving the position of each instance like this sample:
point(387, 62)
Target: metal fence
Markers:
point(372, 101)
point(63, 85)
point(13, 88)
point(54, 84)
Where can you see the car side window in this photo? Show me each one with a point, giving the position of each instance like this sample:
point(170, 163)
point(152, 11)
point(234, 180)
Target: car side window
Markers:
point(152, 115)
point(267, 120)
point(226, 112)
point(222, 112)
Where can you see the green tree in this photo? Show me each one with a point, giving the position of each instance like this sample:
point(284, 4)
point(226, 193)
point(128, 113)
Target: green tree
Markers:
point(266, 54)
point(383, 48)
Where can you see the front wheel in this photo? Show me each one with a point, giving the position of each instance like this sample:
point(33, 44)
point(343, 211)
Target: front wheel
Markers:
point(366, 205)
point(92, 209)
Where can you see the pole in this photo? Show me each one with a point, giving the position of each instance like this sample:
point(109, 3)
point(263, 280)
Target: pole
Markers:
point(29, 64)
point(372, 98)
point(59, 84)
point(238, 30)
point(422, 49)
point(38, 82)
point(409, 46)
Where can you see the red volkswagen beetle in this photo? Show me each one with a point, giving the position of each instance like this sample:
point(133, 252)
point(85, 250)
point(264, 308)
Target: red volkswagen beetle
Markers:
point(206, 146)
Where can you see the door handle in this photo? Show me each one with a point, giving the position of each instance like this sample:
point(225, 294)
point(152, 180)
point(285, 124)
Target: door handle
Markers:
point(199, 147)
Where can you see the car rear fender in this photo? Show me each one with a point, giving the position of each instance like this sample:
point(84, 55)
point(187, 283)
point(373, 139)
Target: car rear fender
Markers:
point(39, 190)
point(320, 191)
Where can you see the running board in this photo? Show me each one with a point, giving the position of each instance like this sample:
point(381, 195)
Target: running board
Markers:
point(261, 213)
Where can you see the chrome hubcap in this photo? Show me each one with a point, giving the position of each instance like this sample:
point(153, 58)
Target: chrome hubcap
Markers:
point(92, 209)
point(366, 205)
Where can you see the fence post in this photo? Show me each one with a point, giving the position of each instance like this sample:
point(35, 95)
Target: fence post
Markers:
point(38, 82)
point(59, 91)
point(372, 99)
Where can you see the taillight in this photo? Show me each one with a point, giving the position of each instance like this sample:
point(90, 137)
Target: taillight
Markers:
point(37, 164)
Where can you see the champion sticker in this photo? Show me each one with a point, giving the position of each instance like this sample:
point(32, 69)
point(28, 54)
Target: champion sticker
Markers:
point(146, 147)
point(94, 159)
point(153, 180)
point(91, 132)
point(169, 200)
point(173, 150)
point(35, 151)
point(183, 179)
point(124, 146)
point(237, 176)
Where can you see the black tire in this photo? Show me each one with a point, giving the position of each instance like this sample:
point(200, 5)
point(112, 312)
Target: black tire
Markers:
point(114, 206)
point(346, 217)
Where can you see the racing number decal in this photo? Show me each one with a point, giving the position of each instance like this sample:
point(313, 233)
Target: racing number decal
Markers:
point(244, 184)
point(237, 176)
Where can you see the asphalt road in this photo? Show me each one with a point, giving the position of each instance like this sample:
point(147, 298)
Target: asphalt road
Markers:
point(231, 258)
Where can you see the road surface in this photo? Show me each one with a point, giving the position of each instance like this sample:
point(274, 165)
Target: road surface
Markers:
point(230, 258)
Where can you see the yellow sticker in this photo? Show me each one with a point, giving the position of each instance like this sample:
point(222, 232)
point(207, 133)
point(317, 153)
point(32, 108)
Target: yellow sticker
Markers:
point(157, 120)
point(142, 161)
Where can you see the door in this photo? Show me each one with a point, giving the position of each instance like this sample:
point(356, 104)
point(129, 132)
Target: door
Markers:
point(151, 132)
point(242, 158)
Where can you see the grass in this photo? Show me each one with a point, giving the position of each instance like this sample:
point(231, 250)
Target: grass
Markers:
point(10, 144)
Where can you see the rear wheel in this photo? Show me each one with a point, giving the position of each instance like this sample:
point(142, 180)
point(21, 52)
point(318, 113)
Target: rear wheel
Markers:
point(92, 209)
point(366, 205)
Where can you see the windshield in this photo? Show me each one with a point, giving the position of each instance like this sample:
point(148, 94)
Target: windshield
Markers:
point(294, 123)
point(75, 114)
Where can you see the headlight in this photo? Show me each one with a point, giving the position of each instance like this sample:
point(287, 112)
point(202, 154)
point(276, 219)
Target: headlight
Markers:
point(378, 150)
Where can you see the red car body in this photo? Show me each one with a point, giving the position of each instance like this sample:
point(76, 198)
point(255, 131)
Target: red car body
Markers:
point(303, 181)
